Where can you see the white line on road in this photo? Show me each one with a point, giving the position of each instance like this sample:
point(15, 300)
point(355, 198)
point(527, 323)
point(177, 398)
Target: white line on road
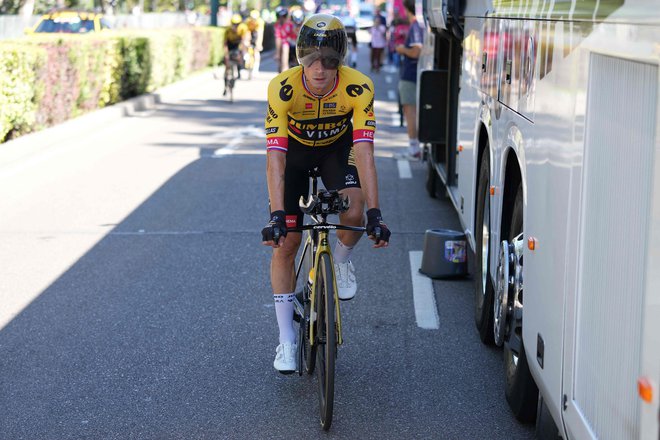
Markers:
point(391, 95)
point(229, 148)
point(426, 310)
point(404, 169)
point(396, 119)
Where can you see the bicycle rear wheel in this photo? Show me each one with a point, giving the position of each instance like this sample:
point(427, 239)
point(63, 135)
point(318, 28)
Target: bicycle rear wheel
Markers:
point(326, 338)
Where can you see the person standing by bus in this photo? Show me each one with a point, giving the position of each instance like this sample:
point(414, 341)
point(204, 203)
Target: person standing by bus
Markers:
point(410, 52)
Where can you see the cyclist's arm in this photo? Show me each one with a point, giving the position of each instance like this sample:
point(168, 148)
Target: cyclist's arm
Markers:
point(275, 166)
point(277, 144)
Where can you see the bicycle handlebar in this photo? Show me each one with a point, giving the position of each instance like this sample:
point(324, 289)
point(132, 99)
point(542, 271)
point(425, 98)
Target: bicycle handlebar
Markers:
point(327, 226)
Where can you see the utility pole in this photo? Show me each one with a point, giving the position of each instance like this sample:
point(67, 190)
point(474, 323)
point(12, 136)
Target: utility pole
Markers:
point(214, 12)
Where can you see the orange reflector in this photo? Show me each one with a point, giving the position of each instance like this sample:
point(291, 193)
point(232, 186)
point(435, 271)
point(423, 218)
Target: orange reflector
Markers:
point(492, 190)
point(645, 389)
point(531, 243)
point(460, 148)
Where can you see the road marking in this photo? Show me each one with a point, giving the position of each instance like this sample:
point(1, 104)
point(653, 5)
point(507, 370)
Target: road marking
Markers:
point(388, 79)
point(391, 95)
point(426, 310)
point(229, 148)
point(396, 119)
point(404, 169)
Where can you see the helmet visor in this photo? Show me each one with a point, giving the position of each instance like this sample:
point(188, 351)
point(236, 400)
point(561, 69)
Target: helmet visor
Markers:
point(330, 59)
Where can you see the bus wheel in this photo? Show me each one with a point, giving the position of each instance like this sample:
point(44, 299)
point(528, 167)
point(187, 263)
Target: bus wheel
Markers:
point(520, 389)
point(483, 286)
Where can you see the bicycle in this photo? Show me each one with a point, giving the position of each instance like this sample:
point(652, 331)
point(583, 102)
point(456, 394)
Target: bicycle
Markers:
point(249, 61)
point(231, 72)
point(316, 307)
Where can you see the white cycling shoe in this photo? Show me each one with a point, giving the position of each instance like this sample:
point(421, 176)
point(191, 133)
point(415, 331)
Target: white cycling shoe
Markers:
point(285, 358)
point(345, 280)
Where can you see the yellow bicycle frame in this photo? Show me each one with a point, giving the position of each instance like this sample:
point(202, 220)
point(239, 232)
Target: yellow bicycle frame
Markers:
point(323, 247)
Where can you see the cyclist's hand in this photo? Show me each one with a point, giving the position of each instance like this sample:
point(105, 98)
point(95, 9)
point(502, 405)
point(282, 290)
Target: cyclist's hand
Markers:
point(377, 230)
point(275, 231)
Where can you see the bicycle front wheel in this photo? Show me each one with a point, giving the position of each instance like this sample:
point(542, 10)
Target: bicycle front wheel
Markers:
point(326, 337)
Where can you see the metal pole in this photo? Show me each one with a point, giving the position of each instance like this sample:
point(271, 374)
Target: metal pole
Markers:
point(214, 12)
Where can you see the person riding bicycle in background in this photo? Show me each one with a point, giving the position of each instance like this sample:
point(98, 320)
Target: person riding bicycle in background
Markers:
point(320, 114)
point(236, 38)
point(255, 25)
point(284, 34)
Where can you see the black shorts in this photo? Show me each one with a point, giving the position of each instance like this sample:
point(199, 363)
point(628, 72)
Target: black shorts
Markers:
point(336, 164)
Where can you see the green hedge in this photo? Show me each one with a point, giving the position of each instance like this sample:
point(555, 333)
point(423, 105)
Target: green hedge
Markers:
point(47, 79)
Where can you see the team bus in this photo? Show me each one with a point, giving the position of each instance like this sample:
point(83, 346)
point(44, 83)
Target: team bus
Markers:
point(541, 123)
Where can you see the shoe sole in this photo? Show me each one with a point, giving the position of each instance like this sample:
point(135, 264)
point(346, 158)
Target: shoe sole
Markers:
point(286, 372)
point(346, 299)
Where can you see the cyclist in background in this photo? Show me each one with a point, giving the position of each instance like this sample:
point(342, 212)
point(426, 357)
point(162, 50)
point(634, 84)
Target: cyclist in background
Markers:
point(320, 114)
point(297, 18)
point(236, 38)
point(256, 25)
point(284, 33)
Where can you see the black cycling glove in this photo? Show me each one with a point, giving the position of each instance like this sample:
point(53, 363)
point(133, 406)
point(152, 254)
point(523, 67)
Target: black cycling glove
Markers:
point(275, 228)
point(376, 227)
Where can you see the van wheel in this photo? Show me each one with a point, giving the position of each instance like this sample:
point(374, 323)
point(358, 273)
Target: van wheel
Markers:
point(520, 389)
point(483, 286)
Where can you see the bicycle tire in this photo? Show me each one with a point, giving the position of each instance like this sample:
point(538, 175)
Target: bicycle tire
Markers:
point(326, 338)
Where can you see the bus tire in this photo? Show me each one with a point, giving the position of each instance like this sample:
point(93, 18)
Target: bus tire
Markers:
point(520, 389)
point(483, 286)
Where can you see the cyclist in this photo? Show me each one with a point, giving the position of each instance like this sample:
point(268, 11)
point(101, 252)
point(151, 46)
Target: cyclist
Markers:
point(236, 37)
point(320, 114)
point(284, 33)
point(256, 25)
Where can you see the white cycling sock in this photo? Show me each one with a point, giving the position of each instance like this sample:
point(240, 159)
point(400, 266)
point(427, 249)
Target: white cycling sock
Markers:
point(284, 312)
point(413, 145)
point(342, 253)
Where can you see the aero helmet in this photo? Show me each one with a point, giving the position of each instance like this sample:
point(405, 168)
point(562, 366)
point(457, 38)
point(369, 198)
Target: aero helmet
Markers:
point(322, 36)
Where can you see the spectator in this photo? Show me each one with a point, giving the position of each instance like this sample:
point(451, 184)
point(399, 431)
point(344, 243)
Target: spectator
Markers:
point(398, 34)
point(410, 52)
point(378, 43)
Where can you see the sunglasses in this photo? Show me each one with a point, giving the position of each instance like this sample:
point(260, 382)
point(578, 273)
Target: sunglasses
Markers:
point(327, 61)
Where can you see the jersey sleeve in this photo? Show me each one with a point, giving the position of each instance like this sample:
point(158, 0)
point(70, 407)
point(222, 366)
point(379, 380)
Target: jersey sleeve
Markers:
point(277, 138)
point(364, 120)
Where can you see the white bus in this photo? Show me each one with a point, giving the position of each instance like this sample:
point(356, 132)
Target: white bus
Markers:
point(541, 122)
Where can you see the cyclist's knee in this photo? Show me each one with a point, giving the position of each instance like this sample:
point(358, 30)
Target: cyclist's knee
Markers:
point(289, 250)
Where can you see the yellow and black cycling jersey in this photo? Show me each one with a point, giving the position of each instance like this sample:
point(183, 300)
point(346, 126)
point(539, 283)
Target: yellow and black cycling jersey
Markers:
point(234, 35)
point(318, 121)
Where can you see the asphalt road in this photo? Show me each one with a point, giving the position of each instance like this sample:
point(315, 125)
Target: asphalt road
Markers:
point(135, 299)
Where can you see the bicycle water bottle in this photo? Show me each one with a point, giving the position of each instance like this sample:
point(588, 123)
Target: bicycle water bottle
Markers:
point(310, 279)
